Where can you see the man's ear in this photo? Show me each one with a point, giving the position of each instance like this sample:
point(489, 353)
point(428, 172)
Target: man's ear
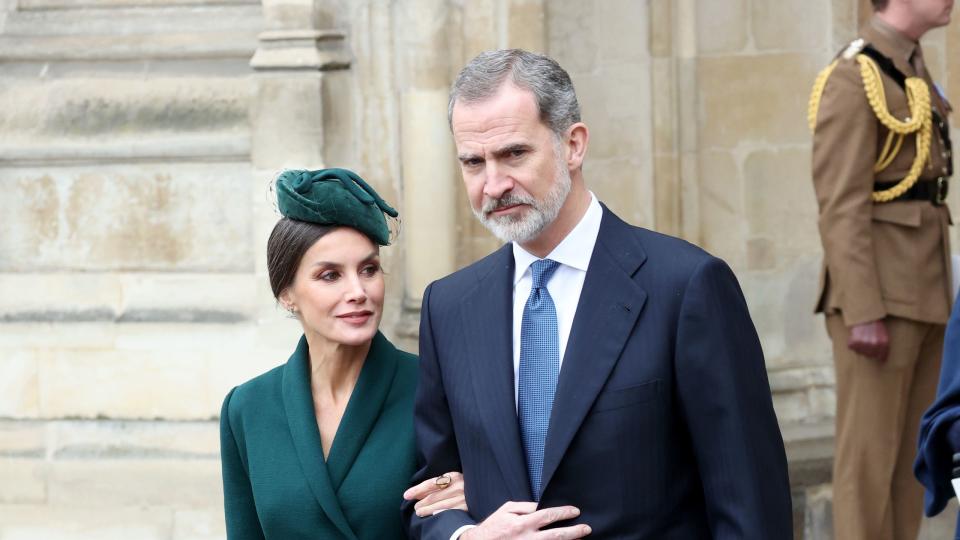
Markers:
point(576, 145)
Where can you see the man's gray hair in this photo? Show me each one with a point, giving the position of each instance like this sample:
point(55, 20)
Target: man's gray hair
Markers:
point(483, 76)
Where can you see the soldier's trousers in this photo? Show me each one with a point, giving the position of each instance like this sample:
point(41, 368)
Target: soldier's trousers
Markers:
point(879, 405)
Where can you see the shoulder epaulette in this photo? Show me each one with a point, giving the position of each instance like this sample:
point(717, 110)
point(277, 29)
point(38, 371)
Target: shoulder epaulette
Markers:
point(853, 49)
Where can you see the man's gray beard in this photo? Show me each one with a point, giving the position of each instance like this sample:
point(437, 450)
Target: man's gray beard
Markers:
point(536, 217)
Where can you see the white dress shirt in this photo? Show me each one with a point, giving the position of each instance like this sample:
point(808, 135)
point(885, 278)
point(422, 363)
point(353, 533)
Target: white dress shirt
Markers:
point(565, 286)
point(573, 254)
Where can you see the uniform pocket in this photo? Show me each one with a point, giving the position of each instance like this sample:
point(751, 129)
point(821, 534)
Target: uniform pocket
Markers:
point(908, 215)
point(896, 228)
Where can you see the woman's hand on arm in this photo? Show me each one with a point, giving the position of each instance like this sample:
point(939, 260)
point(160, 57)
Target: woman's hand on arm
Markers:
point(437, 494)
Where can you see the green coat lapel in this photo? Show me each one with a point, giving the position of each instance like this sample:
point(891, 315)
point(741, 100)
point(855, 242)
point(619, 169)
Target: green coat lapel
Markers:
point(363, 409)
point(298, 404)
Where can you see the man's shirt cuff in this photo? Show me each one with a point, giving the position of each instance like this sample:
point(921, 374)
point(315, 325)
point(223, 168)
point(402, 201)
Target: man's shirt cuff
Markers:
point(456, 534)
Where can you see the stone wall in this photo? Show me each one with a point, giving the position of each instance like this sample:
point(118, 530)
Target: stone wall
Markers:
point(137, 143)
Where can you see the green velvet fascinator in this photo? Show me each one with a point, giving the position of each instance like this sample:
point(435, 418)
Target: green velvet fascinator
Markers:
point(334, 197)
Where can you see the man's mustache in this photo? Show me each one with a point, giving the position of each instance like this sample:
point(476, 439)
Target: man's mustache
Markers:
point(492, 205)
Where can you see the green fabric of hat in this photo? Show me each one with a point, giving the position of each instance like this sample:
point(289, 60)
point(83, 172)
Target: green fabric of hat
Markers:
point(334, 197)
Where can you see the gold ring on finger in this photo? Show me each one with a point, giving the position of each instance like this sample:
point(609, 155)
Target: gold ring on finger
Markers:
point(442, 481)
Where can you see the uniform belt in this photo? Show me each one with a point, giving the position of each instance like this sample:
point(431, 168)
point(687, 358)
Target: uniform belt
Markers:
point(934, 190)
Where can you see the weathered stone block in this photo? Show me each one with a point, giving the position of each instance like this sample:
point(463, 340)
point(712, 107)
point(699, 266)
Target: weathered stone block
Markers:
point(572, 34)
point(739, 103)
point(287, 121)
point(781, 303)
point(23, 481)
point(620, 119)
point(721, 207)
point(128, 108)
point(43, 522)
point(526, 22)
point(622, 28)
point(722, 26)
point(422, 48)
point(199, 525)
point(19, 384)
point(625, 185)
point(22, 439)
point(791, 406)
point(124, 217)
point(32, 336)
point(943, 525)
point(149, 483)
point(784, 25)
point(844, 23)
point(818, 518)
point(481, 34)
point(125, 384)
point(107, 440)
point(823, 402)
point(667, 213)
point(800, 378)
point(663, 90)
point(661, 28)
point(781, 205)
point(127, 297)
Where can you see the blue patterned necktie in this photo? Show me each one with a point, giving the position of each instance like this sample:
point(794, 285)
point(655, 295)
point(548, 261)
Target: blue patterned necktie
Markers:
point(539, 369)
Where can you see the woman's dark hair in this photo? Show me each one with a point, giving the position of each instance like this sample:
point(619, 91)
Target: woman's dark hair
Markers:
point(288, 241)
point(879, 5)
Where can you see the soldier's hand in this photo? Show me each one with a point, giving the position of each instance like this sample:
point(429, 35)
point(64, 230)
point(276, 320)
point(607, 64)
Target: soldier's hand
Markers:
point(870, 339)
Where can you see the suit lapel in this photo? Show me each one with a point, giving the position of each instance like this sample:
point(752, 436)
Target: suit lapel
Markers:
point(610, 303)
point(298, 405)
point(487, 313)
point(363, 409)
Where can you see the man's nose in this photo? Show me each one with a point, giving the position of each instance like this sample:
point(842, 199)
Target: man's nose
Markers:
point(497, 182)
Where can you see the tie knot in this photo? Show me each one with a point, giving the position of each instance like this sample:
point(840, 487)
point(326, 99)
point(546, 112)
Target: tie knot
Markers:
point(542, 270)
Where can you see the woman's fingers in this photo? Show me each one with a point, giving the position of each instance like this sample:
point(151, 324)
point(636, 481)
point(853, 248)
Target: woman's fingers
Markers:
point(434, 485)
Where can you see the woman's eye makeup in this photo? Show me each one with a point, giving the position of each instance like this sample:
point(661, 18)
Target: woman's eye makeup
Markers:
point(328, 275)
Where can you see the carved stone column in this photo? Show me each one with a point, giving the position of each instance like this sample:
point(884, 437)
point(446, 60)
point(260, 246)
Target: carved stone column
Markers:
point(426, 149)
point(287, 112)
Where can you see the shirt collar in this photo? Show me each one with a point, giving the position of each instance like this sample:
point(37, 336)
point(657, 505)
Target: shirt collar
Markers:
point(573, 251)
point(898, 43)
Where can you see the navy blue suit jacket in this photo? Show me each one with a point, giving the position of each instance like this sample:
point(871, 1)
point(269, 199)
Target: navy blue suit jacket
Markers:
point(934, 465)
point(662, 424)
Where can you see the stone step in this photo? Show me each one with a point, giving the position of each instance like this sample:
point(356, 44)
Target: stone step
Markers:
point(136, 19)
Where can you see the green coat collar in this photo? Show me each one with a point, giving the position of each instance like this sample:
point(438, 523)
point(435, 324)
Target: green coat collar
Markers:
point(366, 401)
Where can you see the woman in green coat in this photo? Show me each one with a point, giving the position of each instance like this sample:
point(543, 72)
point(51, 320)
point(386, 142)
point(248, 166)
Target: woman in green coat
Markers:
point(323, 446)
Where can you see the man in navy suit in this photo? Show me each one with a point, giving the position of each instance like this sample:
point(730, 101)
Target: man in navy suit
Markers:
point(589, 377)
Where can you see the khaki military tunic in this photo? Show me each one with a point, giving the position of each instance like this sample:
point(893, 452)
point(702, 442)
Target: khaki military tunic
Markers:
point(888, 261)
point(888, 258)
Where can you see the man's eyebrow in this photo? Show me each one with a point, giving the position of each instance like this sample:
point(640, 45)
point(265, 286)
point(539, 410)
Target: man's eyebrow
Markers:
point(467, 156)
point(510, 148)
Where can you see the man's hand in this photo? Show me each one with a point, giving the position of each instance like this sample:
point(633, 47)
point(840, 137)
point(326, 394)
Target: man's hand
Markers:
point(432, 495)
point(522, 520)
point(870, 339)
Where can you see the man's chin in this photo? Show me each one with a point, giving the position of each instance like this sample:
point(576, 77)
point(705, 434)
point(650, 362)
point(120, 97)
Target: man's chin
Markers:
point(510, 230)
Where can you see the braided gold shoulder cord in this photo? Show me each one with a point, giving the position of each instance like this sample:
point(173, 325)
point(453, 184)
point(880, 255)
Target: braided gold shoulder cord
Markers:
point(919, 121)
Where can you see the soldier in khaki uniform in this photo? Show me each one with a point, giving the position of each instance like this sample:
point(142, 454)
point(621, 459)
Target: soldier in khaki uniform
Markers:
point(881, 160)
